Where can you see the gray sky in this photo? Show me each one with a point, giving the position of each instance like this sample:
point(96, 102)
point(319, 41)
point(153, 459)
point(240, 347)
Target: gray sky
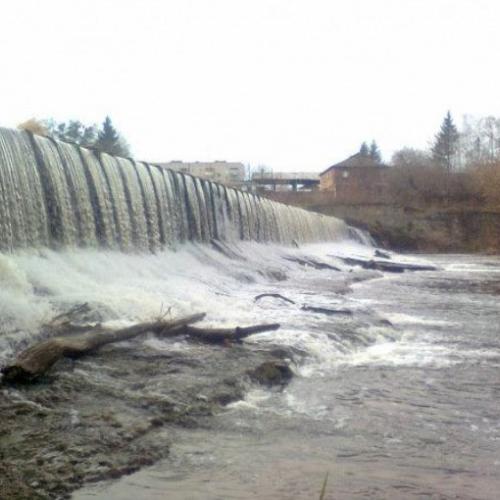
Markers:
point(293, 84)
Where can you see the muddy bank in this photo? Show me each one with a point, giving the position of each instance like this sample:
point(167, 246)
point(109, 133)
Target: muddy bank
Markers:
point(109, 414)
point(407, 228)
point(427, 230)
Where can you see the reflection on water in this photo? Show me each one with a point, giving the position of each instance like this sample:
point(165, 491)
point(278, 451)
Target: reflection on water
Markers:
point(412, 416)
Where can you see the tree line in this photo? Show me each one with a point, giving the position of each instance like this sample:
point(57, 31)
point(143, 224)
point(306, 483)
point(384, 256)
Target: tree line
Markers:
point(476, 143)
point(461, 165)
point(371, 151)
point(104, 138)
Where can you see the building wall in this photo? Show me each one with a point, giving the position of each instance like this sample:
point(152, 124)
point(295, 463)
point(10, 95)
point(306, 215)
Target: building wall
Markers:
point(327, 181)
point(230, 173)
point(355, 183)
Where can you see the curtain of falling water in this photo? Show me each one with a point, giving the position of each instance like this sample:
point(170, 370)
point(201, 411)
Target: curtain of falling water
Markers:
point(23, 222)
point(58, 194)
point(79, 193)
point(150, 206)
point(119, 202)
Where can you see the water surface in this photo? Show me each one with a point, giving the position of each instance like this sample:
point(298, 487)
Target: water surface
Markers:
point(403, 411)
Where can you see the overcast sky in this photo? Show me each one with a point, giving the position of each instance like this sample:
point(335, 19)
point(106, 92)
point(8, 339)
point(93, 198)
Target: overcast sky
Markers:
point(292, 84)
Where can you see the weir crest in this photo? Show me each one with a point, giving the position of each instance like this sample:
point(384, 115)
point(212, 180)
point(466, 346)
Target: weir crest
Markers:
point(57, 194)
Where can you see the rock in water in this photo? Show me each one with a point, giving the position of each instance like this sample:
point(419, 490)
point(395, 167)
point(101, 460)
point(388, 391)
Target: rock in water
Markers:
point(272, 373)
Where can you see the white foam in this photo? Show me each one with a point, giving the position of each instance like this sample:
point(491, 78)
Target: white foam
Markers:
point(399, 354)
point(407, 319)
point(252, 400)
point(137, 287)
point(127, 288)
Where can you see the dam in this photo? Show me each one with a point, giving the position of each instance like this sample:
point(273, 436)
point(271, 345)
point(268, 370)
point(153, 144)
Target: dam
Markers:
point(57, 194)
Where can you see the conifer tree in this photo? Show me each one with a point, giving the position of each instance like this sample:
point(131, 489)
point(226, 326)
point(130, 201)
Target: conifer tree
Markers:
point(110, 141)
point(106, 139)
point(88, 136)
point(446, 143)
point(364, 150)
point(375, 152)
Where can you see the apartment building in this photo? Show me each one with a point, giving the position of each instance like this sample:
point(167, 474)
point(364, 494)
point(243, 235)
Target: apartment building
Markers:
point(224, 172)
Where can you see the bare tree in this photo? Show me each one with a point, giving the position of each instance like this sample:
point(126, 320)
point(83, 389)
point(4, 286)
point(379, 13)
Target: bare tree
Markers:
point(34, 126)
point(411, 158)
point(479, 140)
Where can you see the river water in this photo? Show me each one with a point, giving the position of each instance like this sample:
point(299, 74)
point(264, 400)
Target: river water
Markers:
point(399, 400)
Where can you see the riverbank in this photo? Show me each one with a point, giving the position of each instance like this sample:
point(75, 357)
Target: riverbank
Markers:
point(456, 228)
point(111, 413)
point(426, 230)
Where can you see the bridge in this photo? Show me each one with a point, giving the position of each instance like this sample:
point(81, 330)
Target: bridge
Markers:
point(307, 181)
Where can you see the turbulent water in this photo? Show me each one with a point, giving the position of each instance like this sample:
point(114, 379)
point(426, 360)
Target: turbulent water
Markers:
point(397, 400)
point(403, 411)
point(57, 194)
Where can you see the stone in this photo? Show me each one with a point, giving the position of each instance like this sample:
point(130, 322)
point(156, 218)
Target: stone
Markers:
point(272, 373)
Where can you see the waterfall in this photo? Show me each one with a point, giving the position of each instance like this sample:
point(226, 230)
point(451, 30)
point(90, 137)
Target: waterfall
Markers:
point(57, 194)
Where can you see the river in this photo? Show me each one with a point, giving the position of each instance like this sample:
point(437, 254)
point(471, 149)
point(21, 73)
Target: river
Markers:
point(404, 408)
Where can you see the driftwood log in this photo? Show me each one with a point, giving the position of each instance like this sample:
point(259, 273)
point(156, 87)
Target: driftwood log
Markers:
point(69, 321)
point(390, 267)
point(305, 307)
point(273, 295)
point(225, 249)
point(38, 359)
point(381, 254)
point(223, 335)
point(326, 310)
point(309, 261)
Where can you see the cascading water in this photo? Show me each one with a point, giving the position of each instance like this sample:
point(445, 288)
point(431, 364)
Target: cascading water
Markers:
point(58, 194)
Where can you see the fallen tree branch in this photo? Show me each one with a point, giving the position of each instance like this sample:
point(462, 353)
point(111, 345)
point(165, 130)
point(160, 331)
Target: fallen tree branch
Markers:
point(390, 267)
point(223, 335)
point(225, 249)
point(65, 322)
point(274, 295)
point(308, 261)
point(325, 310)
point(381, 254)
point(38, 359)
point(70, 315)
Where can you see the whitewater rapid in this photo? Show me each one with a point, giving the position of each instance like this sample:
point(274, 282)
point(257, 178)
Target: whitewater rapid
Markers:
point(37, 285)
